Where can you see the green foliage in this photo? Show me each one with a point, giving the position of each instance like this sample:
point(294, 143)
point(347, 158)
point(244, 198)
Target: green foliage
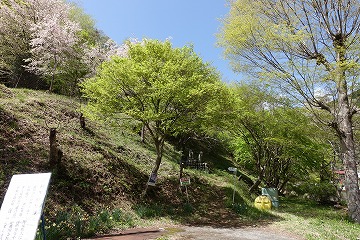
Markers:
point(188, 209)
point(88, 33)
point(149, 211)
point(169, 90)
point(273, 139)
point(302, 48)
point(6, 2)
point(146, 86)
point(78, 224)
point(100, 156)
point(323, 192)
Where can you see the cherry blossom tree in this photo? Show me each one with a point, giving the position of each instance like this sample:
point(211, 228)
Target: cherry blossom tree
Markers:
point(33, 33)
point(49, 40)
point(95, 55)
point(53, 41)
point(14, 38)
point(53, 38)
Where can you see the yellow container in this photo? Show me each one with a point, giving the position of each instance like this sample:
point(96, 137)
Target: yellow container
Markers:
point(263, 202)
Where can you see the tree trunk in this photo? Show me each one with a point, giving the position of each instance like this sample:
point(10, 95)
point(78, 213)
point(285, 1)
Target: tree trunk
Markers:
point(344, 128)
point(255, 185)
point(53, 74)
point(258, 181)
point(159, 145)
point(348, 156)
point(157, 163)
point(142, 134)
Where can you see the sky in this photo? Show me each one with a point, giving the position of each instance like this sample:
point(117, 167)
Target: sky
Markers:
point(184, 22)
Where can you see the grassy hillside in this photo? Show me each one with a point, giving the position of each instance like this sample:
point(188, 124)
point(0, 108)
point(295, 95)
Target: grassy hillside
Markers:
point(103, 167)
point(100, 182)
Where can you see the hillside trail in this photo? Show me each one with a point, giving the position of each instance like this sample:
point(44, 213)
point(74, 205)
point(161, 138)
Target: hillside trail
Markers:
point(216, 223)
point(246, 233)
point(203, 233)
point(213, 223)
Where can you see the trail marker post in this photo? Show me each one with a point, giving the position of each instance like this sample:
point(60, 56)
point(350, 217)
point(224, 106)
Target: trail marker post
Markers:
point(234, 170)
point(185, 181)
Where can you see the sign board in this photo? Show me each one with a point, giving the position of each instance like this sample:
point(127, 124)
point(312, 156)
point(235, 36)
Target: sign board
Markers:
point(152, 180)
point(232, 169)
point(23, 205)
point(184, 181)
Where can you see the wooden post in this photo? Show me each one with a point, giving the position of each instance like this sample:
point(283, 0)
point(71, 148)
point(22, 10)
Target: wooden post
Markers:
point(55, 149)
point(187, 195)
point(82, 121)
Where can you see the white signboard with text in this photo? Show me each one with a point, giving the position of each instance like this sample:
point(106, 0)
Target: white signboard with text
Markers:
point(23, 205)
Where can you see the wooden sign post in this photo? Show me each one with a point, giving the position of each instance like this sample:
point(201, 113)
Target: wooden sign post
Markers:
point(233, 170)
point(23, 205)
point(185, 181)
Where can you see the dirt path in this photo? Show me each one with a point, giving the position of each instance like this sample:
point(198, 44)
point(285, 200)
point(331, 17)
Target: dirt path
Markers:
point(134, 234)
point(202, 233)
point(248, 233)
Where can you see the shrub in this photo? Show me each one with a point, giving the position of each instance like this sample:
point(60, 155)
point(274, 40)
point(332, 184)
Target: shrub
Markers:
point(324, 192)
point(76, 224)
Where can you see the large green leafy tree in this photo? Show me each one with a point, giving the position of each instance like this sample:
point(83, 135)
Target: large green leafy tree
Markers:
point(310, 49)
point(169, 90)
point(273, 140)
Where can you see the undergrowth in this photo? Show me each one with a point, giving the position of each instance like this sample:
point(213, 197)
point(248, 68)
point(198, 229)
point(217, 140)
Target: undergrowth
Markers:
point(76, 224)
point(316, 222)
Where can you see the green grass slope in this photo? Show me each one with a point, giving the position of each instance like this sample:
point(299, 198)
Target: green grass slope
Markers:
point(104, 168)
point(99, 185)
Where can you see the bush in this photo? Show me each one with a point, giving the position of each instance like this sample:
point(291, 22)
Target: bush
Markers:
point(149, 211)
point(76, 224)
point(324, 192)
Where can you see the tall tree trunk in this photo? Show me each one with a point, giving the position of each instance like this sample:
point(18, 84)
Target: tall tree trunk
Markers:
point(157, 163)
point(344, 128)
point(255, 185)
point(53, 74)
point(346, 135)
point(142, 134)
point(258, 181)
point(159, 146)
